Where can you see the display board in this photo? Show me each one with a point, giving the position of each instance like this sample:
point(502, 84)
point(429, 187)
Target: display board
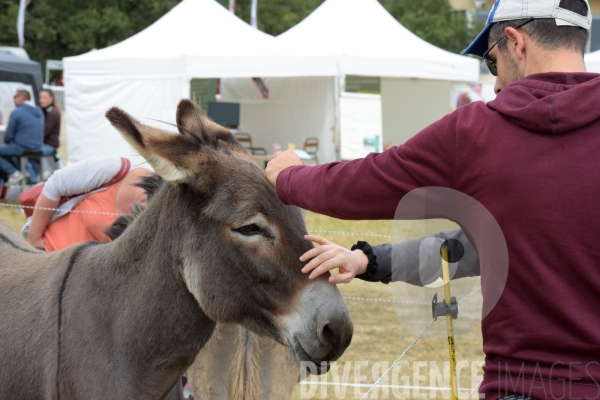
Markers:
point(360, 125)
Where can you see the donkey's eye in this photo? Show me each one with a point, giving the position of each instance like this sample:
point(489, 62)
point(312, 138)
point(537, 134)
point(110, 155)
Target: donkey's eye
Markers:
point(249, 230)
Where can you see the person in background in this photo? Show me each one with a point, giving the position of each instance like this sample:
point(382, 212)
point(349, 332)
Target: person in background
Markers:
point(84, 181)
point(51, 122)
point(52, 117)
point(25, 132)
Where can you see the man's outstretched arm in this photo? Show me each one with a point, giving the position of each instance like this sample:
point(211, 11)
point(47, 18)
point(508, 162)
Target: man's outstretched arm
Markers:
point(371, 187)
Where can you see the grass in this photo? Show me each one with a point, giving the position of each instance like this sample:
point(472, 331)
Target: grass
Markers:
point(13, 216)
point(379, 336)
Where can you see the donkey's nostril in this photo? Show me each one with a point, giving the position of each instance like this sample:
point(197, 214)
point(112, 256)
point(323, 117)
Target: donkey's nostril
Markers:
point(336, 331)
point(328, 336)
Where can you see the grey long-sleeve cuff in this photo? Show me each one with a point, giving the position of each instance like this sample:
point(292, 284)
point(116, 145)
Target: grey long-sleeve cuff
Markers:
point(418, 262)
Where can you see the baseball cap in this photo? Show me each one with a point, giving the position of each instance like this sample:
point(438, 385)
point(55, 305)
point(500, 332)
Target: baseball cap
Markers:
point(507, 10)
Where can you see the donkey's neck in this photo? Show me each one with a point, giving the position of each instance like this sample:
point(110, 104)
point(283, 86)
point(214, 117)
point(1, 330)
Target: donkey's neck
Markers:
point(148, 259)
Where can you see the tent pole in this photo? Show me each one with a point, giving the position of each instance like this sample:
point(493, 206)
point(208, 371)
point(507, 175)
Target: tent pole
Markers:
point(337, 89)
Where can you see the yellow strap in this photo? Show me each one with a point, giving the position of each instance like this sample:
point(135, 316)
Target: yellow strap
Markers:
point(448, 298)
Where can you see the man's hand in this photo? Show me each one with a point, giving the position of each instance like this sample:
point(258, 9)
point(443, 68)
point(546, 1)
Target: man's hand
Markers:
point(330, 256)
point(280, 161)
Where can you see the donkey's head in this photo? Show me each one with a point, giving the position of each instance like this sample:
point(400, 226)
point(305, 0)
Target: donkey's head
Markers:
point(235, 244)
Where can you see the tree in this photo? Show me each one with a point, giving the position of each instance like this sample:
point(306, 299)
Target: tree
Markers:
point(434, 21)
point(58, 28)
point(275, 16)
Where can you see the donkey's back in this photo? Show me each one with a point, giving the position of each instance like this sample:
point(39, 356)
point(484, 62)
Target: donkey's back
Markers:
point(29, 288)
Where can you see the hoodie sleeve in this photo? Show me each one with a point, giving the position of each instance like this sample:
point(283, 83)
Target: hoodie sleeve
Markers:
point(372, 187)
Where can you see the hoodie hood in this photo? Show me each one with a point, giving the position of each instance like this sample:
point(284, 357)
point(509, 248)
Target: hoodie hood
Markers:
point(551, 102)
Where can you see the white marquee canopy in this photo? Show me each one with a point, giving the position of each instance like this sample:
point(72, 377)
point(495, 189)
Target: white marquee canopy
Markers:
point(366, 40)
point(200, 39)
point(148, 73)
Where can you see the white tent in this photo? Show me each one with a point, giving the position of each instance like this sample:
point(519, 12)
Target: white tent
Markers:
point(150, 72)
point(365, 40)
point(592, 61)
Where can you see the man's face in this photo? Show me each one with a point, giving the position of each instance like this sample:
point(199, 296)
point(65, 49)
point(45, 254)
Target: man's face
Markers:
point(509, 68)
point(18, 99)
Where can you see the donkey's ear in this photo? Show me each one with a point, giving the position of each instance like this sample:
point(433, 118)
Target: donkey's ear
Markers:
point(193, 122)
point(168, 153)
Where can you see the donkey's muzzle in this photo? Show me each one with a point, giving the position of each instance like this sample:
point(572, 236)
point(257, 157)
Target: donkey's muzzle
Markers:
point(320, 329)
point(335, 330)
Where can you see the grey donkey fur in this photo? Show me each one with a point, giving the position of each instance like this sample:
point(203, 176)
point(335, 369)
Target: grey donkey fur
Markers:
point(124, 320)
point(235, 363)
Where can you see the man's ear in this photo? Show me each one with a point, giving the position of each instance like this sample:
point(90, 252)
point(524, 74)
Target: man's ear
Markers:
point(516, 40)
point(170, 154)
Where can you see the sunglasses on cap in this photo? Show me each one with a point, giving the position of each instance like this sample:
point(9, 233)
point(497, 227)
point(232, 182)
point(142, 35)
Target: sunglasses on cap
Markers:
point(492, 64)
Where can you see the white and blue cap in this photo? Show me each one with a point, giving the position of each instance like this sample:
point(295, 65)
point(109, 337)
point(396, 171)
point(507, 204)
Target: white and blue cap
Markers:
point(509, 10)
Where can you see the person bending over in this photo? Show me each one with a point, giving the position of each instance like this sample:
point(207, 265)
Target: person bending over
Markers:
point(94, 206)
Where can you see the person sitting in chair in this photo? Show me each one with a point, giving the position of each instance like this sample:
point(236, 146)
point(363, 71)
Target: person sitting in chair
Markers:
point(25, 132)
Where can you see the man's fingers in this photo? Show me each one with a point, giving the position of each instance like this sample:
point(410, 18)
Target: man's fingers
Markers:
point(317, 239)
point(280, 162)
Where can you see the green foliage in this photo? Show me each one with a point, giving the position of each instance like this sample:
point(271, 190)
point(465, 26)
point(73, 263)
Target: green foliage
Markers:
point(434, 21)
point(275, 16)
point(431, 20)
point(58, 28)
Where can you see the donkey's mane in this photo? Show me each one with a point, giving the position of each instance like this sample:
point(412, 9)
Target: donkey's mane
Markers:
point(151, 184)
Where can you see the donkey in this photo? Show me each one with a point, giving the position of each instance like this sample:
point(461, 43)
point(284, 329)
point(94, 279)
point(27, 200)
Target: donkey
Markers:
point(125, 319)
point(235, 363)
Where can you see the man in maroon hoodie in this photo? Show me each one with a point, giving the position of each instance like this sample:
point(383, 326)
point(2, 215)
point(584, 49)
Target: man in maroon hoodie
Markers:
point(531, 158)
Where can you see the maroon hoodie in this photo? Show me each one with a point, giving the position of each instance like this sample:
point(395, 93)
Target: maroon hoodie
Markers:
point(532, 158)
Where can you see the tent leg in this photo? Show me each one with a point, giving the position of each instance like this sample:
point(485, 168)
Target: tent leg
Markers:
point(336, 105)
